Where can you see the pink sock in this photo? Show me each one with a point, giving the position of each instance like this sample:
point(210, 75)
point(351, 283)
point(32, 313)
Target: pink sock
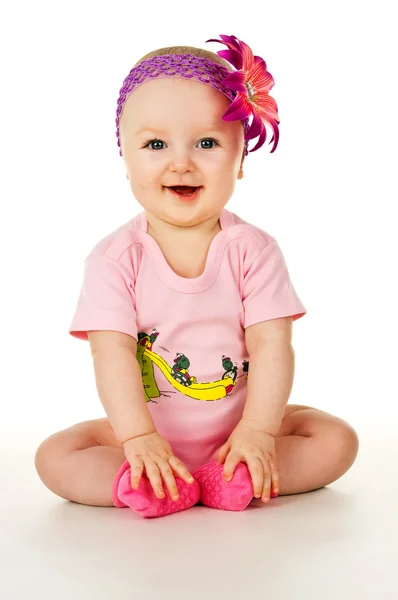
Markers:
point(227, 495)
point(218, 493)
point(144, 501)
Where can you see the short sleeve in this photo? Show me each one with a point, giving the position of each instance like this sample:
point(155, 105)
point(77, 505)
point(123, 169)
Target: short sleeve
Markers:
point(107, 299)
point(268, 292)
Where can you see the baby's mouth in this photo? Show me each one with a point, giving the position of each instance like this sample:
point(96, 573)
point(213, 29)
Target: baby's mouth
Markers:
point(184, 190)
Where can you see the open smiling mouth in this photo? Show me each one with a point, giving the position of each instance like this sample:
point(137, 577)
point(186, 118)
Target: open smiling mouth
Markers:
point(185, 192)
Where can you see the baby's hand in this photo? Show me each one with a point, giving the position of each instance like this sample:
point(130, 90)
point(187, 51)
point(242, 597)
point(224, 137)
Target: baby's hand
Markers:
point(153, 453)
point(249, 444)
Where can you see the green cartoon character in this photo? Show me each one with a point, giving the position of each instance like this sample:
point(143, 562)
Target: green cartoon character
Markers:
point(230, 369)
point(180, 370)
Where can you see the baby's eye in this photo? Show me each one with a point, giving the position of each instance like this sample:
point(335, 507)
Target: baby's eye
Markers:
point(154, 142)
point(207, 140)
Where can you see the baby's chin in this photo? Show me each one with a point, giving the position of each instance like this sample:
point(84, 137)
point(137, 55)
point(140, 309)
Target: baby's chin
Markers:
point(180, 216)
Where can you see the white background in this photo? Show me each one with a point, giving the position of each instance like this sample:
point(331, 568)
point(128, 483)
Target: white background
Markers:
point(328, 193)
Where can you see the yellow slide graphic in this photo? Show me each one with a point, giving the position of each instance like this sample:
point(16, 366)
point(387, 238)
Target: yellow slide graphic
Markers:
point(199, 391)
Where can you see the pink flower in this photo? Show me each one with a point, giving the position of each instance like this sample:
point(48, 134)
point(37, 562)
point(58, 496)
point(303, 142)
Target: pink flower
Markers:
point(252, 83)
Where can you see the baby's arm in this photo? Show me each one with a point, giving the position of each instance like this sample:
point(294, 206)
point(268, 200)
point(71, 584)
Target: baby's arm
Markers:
point(119, 385)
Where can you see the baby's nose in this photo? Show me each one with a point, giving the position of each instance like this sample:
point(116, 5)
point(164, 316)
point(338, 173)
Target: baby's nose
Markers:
point(181, 162)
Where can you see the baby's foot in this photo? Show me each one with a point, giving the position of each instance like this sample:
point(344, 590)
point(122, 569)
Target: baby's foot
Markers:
point(227, 495)
point(144, 501)
point(218, 493)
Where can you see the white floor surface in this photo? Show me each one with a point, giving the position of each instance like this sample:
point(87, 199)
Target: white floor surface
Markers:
point(339, 542)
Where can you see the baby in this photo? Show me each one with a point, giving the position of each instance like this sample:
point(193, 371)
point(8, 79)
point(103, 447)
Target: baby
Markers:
point(188, 310)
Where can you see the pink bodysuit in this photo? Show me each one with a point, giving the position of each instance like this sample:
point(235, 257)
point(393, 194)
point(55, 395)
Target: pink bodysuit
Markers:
point(190, 332)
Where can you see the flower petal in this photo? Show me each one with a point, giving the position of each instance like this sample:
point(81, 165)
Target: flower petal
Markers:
point(258, 59)
point(255, 128)
point(260, 79)
point(240, 108)
point(236, 81)
point(231, 41)
point(232, 56)
point(247, 54)
point(267, 107)
point(275, 137)
point(261, 139)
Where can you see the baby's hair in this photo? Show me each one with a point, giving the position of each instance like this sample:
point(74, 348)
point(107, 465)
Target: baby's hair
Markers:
point(200, 52)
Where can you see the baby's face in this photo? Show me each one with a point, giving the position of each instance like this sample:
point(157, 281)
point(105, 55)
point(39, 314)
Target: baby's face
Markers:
point(183, 116)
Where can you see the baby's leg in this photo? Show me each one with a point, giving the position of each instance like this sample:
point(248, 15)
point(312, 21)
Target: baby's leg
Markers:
point(80, 463)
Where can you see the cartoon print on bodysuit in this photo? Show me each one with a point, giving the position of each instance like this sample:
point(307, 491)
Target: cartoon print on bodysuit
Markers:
point(178, 375)
point(245, 364)
point(151, 389)
point(180, 370)
point(230, 369)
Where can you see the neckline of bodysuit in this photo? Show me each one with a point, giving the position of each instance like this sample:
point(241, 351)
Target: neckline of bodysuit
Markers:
point(163, 269)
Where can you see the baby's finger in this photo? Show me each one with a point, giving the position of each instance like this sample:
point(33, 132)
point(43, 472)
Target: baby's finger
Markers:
point(274, 478)
point(230, 464)
point(153, 474)
point(222, 453)
point(180, 469)
point(256, 470)
point(267, 483)
point(169, 480)
point(136, 468)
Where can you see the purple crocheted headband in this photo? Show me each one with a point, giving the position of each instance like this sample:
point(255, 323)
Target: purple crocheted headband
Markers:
point(184, 66)
point(247, 88)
